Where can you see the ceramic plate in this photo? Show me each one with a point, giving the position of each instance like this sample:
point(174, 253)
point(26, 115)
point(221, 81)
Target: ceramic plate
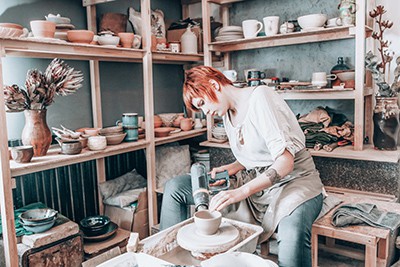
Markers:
point(237, 259)
point(112, 228)
point(231, 28)
point(177, 130)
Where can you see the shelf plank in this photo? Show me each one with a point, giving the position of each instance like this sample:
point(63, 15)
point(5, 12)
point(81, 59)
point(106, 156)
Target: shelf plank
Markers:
point(346, 152)
point(55, 159)
point(324, 93)
point(219, 2)
point(27, 47)
point(174, 58)
point(327, 34)
point(179, 136)
point(94, 2)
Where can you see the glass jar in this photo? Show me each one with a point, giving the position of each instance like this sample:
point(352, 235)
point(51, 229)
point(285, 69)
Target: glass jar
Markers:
point(386, 123)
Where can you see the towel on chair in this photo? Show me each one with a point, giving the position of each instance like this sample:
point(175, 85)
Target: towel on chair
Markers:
point(365, 213)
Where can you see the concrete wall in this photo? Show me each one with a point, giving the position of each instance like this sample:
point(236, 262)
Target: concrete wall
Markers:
point(121, 83)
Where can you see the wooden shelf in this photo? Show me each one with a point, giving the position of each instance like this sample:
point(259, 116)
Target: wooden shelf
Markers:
point(327, 34)
point(324, 93)
point(175, 58)
point(347, 152)
point(40, 48)
point(55, 159)
point(188, 2)
point(179, 136)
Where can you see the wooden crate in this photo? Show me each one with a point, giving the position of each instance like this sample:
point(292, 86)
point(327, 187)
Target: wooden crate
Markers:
point(65, 252)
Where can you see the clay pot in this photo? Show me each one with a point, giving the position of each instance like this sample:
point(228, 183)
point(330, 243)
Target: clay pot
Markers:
point(186, 124)
point(36, 133)
point(126, 39)
point(162, 131)
point(80, 36)
point(70, 147)
point(43, 28)
point(22, 154)
point(207, 223)
point(177, 121)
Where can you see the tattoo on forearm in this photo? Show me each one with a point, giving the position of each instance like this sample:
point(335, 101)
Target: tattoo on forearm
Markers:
point(273, 176)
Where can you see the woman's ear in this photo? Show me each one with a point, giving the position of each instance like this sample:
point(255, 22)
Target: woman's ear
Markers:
point(215, 85)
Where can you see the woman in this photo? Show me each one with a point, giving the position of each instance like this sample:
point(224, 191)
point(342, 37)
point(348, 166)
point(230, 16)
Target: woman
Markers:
point(277, 183)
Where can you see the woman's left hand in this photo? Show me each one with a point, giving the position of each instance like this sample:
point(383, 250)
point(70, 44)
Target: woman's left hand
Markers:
point(226, 198)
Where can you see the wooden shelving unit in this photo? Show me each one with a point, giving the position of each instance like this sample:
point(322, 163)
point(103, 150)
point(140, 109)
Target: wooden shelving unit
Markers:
point(37, 48)
point(347, 152)
point(361, 94)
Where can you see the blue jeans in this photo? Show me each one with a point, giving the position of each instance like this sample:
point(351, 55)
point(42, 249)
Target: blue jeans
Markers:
point(294, 231)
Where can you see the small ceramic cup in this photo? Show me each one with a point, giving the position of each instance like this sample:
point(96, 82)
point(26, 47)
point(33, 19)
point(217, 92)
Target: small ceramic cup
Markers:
point(22, 154)
point(126, 39)
point(186, 124)
point(97, 142)
point(129, 120)
point(70, 147)
point(207, 223)
point(132, 134)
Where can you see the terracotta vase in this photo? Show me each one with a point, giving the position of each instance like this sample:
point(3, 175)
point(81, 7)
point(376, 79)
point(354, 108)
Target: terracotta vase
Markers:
point(36, 132)
point(386, 123)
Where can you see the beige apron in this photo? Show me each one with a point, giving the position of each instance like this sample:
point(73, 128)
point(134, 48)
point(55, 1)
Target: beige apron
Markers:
point(270, 205)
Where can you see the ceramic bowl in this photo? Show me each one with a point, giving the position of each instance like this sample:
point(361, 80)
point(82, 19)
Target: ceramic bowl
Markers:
point(94, 225)
point(43, 28)
point(10, 32)
point(92, 131)
point(35, 216)
point(80, 36)
point(71, 147)
point(22, 154)
point(108, 40)
point(312, 21)
point(346, 75)
point(97, 142)
point(111, 130)
point(38, 227)
point(207, 223)
point(115, 139)
point(58, 19)
point(162, 131)
point(237, 258)
point(168, 118)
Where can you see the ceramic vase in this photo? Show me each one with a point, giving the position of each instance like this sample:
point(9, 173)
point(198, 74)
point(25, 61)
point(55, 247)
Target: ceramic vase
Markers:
point(189, 42)
point(386, 123)
point(36, 133)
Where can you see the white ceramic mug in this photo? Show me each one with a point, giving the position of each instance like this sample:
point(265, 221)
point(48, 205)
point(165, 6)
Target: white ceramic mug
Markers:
point(321, 79)
point(271, 25)
point(231, 75)
point(251, 28)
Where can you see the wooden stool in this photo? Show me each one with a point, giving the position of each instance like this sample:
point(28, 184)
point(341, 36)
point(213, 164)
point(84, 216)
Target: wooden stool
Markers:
point(376, 240)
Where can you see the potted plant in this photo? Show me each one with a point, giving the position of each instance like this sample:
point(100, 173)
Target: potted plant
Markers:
point(386, 111)
point(39, 93)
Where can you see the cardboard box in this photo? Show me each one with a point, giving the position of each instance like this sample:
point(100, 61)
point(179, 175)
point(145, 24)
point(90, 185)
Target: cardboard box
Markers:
point(175, 36)
point(137, 221)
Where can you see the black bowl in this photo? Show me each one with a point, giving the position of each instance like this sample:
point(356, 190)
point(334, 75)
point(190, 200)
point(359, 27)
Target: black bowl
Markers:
point(94, 225)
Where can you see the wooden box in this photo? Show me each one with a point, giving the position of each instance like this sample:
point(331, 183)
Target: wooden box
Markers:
point(65, 252)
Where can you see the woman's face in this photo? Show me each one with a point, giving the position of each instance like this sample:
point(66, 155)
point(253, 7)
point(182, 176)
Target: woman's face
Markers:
point(220, 107)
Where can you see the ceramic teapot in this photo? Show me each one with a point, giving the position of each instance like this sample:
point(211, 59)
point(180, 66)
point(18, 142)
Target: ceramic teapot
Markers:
point(347, 12)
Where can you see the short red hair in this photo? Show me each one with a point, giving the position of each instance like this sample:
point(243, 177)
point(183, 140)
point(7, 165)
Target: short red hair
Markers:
point(197, 84)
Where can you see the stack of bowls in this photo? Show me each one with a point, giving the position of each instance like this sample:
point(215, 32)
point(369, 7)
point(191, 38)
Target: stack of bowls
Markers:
point(63, 24)
point(95, 225)
point(38, 220)
point(114, 135)
point(218, 132)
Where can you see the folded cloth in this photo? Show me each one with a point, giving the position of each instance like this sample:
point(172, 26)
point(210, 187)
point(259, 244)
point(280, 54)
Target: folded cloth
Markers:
point(360, 213)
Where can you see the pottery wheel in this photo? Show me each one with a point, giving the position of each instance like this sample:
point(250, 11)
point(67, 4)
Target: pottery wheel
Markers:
point(226, 237)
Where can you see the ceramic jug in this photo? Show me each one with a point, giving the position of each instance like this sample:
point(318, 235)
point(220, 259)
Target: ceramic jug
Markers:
point(347, 12)
point(189, 42)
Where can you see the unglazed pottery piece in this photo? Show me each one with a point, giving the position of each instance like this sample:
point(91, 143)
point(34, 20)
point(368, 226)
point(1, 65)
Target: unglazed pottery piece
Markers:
point(207, 223)
point(204, 246)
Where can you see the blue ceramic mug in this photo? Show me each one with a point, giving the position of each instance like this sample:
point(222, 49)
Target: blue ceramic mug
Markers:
point(129, 120)
point(131, 134)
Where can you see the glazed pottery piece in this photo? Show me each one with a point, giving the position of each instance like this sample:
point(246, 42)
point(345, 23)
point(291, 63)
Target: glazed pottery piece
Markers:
point(38, 227)
point(312, 20)
point(111, 229)
point(95, 225)
point(107, 40)
point(70, 147)
point(128, 120)
point(38, 215)
point(36, 133)
point(22, 154)
point(207, 223)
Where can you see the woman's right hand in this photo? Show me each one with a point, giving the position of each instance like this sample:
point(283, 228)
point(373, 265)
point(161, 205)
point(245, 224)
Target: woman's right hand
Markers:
point(232, 169)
